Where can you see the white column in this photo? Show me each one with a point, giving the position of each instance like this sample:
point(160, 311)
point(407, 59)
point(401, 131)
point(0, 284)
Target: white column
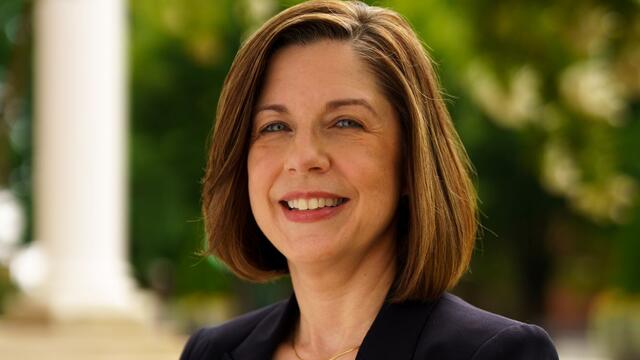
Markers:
point(80, 151)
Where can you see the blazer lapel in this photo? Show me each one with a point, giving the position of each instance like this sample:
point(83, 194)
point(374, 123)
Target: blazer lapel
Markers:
point(396, 331)
point(270, 331)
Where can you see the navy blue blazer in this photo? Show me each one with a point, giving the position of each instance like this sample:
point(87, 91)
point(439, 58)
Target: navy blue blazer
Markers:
point(447, 328)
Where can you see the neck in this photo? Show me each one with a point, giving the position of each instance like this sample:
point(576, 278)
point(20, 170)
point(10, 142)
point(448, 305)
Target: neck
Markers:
point(339, 302)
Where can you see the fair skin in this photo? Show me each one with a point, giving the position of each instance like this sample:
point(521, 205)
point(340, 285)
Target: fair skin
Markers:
point(324, 134)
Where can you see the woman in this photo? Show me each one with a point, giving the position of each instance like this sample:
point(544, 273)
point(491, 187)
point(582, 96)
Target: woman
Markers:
point(334, 160)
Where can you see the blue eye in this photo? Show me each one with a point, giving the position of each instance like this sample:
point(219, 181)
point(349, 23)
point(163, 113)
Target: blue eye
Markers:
point(275, 127)
point(348, 123)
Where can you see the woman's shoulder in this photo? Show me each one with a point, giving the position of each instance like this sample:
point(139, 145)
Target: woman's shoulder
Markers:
point(214, 341)
point(458, 328)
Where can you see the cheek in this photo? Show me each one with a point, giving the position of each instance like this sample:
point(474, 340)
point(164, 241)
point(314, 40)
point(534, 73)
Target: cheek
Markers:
point(384, 187)
point(255, 172)
point(262, 169)
point(374, 171)
point(389, 176)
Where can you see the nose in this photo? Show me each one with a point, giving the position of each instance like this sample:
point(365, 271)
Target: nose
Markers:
point(306, 154)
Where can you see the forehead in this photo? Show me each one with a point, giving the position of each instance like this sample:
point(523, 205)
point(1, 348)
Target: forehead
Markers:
point(322, 68)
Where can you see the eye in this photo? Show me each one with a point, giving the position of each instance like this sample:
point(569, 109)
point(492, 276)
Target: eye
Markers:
point(274, 127)
point(348, 123)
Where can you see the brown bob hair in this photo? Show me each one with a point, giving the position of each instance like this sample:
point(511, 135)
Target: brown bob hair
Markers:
point(436, 219)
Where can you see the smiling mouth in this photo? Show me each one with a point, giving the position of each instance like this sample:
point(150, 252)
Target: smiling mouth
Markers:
point(312, 203)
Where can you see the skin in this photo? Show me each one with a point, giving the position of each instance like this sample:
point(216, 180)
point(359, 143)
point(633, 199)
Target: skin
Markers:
point(341, 267)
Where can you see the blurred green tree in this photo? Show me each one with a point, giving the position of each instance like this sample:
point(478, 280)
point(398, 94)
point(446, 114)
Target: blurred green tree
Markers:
point(15, 116)
point(544, 94)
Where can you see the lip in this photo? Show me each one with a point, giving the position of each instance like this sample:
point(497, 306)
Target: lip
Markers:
point(309, 216)
point(310, 195)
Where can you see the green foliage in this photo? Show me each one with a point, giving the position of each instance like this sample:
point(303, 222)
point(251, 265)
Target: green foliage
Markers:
point(180, 51)
point(15, 103)
point(546, 96)
point(6, 287)
point(556, 174)
point(10, 20)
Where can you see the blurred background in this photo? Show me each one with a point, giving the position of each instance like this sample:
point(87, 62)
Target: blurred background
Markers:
point(545, 95)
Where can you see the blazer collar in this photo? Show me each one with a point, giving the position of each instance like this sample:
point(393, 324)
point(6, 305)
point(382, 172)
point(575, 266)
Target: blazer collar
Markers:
point(261, 343)
point(396, 330)
point(394, 333)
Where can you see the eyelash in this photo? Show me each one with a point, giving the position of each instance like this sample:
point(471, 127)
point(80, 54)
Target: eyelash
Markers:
point(266, 128)
point(353, 122)
point(269, 127)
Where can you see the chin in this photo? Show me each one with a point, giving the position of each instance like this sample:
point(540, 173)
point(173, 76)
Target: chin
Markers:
point(311, 250)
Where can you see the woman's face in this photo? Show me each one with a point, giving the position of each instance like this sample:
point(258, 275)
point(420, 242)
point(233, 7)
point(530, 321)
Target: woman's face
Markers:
point(324, 159)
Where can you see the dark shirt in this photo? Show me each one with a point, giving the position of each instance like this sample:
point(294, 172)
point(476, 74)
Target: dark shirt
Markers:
point(447, 328)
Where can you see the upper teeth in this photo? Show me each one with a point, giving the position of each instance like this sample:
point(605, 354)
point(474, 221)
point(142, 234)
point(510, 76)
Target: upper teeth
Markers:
point(313, 203)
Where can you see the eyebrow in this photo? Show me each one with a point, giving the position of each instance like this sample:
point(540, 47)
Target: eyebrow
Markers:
point(331, 105)
point(273, 107)
point(334, 104)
